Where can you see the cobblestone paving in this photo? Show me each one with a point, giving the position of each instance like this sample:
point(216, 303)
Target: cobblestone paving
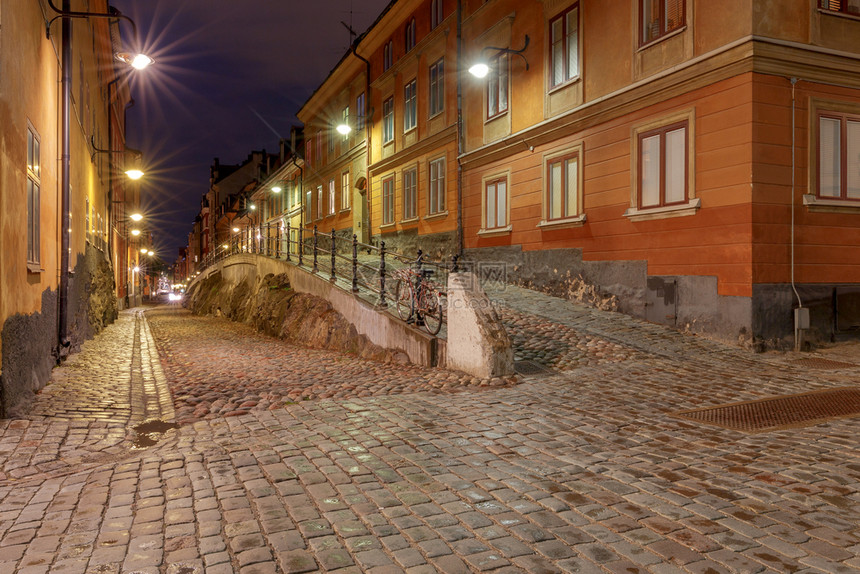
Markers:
point(583, 470)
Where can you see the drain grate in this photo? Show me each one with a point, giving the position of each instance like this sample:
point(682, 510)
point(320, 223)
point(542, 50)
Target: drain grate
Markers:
point(531, 368)
point(820, 363)
point(803, 409)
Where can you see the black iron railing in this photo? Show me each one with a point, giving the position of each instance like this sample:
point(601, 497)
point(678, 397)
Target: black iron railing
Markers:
point(368, 271)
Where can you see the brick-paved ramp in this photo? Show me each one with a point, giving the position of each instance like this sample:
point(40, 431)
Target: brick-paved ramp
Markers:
point(419, 470)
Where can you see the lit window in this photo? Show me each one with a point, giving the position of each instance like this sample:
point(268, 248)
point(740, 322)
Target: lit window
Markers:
point(838, 156)
point(436, 203)
point(345, 190)
point(388, 200)
point(564, 48)
point(409, 35)
point(332, 130)
point(437, 87)
point(562, 187)
point(663, 166)
point(34, 179)
point(409, 193)
point(319, 202)
point(844, 6)
point(331, 197)
point(345, 121)
point(388, 120)
point(660, 17)
point(496, 204)
point(410, 106)
point(497, 86)
point(435, 13)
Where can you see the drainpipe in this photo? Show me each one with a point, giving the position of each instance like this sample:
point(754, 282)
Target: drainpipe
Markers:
point(801, 314)
point(367, 135)
point(460, 135)
point(65, 184)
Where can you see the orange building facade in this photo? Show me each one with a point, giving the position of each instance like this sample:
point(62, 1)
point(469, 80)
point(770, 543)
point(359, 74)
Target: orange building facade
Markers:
point(695, 160)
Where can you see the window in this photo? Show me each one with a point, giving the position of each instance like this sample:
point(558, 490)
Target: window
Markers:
point(838, 156)
point(345, 121)
point(319, 202)
point(332, 130)
point(387, 55)
point(564, 49)
point(409, 35)
point(388, 120)
point(308, 206)
point(496, 203)
point(34, 179)
point(410, 107)
point(360, 112)
point(409, 193)
point(844, 6)
point(319, 154)
point(436, 203)
point(435, 13)
point(388, 200)
point(663, 166)
point(331, 196)
point(345, 190)
point(308, 149)
point(562, 187)
point(497, 86)
point(437, 87)
point(659, 17)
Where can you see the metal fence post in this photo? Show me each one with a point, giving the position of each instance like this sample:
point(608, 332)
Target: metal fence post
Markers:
point(354, 263)
point(301, 245)
point(333, 277)
point(382, 302)
point(289, 237)
point(316, 253)
point(268, 239)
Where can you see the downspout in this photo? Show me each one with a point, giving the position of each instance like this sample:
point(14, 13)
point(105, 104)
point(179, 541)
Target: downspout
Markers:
point(367, 136)
point(801, 315)
point(65, 184)
point(460, 135)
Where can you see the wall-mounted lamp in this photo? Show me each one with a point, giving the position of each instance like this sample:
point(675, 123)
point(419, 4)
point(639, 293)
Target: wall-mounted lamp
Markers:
point(276, 189)
point(344, 128)
point(481, 68)
point(134, 171)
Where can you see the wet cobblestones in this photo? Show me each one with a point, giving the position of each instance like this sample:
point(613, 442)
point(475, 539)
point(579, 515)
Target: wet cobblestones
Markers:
point(584, 470)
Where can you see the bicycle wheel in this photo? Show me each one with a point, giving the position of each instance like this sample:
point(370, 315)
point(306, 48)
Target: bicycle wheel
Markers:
point(403, 299)
point(431, 310)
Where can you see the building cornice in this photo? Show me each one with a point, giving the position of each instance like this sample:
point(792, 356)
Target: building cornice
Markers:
point(748, 54)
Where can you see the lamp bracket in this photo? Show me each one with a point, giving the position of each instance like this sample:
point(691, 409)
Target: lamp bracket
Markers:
point(510, 51)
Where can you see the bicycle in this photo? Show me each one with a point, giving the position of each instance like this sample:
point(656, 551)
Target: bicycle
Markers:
point(418, 300)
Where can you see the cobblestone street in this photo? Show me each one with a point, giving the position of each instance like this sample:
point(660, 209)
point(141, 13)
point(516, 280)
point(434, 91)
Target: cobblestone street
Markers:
point(295, 460)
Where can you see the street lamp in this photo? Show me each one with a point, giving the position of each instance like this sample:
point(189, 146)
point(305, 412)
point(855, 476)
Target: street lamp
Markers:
point(66, 14)
point(482, 67)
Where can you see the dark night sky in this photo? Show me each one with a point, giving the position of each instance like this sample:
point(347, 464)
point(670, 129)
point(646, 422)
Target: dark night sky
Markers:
point(230, 76)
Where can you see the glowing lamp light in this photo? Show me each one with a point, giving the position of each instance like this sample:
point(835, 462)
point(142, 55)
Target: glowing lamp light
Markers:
point(144, 250)
point(136, 269)
point(136, 61)
point(135, 232)
point(225, 246)
point(136, 217)
point(134, 173)
point(235, 230)
point(252, 207)
point(150, 253)
point(343, 129)
point(479, 70)
point(276, 189)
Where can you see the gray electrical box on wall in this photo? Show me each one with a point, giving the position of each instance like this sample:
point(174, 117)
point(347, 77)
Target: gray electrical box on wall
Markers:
point(801, 318)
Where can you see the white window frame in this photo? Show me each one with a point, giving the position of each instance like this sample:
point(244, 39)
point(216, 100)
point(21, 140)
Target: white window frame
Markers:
point(388, 121)
point(496, 203)
point(410, 106)
point(498, 92)
point(319, 202)
point(345, 191)
point(410, 193)
point(436, 188)
point(559, 48)
point(34, 199)
point(436, 99)
point(331, 196)
point(388, 200)
point(345, 121)
point(360, 112)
